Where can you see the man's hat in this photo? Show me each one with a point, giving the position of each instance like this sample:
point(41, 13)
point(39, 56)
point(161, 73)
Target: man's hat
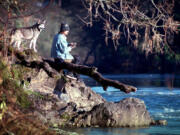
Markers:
point(64, 27)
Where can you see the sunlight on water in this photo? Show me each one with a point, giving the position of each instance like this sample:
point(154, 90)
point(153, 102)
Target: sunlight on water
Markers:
point(162, 100)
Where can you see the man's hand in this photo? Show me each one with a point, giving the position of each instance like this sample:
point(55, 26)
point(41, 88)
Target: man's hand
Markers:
point(73, 45)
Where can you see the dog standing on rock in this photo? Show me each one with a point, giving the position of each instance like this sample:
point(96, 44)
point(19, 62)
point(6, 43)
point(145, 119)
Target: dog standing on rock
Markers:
point(31, 33)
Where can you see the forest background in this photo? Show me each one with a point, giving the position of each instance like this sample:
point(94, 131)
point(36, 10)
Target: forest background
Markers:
point(93, 46)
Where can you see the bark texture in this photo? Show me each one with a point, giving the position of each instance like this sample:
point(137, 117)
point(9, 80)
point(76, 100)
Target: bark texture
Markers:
point(51, 68)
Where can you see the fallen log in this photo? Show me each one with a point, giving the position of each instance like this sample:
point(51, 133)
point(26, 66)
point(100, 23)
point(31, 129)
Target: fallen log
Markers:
point(93, 73)
point(50, 65)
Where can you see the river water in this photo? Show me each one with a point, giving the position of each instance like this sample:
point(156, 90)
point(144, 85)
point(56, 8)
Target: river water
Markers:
point(161, 94)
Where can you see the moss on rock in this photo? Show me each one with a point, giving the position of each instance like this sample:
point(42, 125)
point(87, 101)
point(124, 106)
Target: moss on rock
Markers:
point(15, 120)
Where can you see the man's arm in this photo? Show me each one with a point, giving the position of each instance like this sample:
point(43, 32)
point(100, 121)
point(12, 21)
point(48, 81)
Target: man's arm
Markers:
point(73, 44)
point(63, 46)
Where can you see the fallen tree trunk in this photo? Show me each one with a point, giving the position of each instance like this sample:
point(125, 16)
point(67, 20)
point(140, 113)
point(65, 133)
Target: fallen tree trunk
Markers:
point(93, 73)
point(50, 65)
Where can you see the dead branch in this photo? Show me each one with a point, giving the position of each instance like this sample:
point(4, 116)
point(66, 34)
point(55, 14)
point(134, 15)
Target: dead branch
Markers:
point(131, 16)
point(51, 69)
point(93, 73)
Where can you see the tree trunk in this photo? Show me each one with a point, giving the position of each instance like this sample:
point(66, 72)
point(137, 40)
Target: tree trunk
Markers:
point(51, 68)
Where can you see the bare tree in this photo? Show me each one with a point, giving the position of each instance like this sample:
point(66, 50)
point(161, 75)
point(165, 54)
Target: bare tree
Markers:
point(145, 23)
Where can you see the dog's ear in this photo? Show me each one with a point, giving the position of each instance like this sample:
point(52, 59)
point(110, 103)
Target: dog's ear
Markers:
point(44, 21)
point(39, 21)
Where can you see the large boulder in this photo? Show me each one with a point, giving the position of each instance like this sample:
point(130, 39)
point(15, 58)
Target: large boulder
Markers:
point(72, 103)
point(130, 112)
point(78, 93)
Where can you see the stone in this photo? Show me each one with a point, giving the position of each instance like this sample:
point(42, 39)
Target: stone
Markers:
point(70, 103)
point(159, 122)
point(79, 93)
point(130, 112)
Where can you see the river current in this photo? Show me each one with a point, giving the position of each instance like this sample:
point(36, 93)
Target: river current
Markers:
point(161, 94)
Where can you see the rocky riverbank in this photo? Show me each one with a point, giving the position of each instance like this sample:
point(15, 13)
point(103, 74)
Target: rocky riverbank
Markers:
point(70, 103)
point(30, 90)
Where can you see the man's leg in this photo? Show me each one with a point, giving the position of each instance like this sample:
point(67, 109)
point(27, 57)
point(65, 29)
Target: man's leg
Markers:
point(76, 60)
point(70, 74)
point(59, 61)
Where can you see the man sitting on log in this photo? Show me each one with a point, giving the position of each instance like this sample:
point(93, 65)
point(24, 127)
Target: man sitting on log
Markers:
point(61, 49)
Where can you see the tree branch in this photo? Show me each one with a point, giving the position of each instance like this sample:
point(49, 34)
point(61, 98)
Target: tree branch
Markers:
point(51, 68)
point(93, 73)
point(133, 15)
